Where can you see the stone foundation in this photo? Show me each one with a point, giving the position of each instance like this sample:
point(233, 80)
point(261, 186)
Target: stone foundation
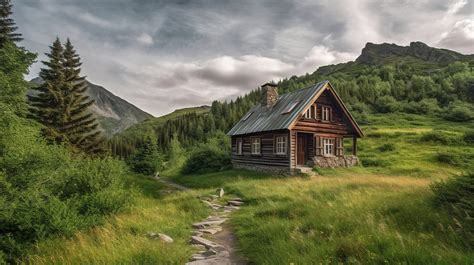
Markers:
point(335, 161)
point(277, 171)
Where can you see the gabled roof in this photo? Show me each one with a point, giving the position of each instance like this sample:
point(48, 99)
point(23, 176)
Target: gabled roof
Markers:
point(286, 110)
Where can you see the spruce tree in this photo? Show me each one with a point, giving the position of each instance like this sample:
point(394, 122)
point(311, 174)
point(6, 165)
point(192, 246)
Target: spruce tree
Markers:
point(7, 25)
point(45, 104)
point(61, 103)
point(79, 124)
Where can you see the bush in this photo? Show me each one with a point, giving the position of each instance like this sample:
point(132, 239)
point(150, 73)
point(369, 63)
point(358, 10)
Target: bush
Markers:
point(447, 158)
point(425, 106)
point(45, 190)
point(459, 112)
point(374, 162)
point(387, 147)
point(440, 138)
point(469, 137)
point(386, 104)
point(457, 196)
point(207, 159)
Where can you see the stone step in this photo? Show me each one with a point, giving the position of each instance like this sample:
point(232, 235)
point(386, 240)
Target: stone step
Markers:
point(212, 230)
point(208, 223)
point(235, 203)
point(205, 242)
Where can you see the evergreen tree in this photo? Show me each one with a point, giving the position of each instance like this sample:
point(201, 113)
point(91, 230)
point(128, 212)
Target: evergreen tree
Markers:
point(45, 104)
point(79, 124)
point(7, 25)
point(61, 104)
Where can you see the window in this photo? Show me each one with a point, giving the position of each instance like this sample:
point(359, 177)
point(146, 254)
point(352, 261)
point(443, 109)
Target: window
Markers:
point(290, 107)
point(326, 113)
point(310, 113)
point(247, 116)
point(281, 145)
point(255, 146)
point(239, 146)
point(328, 145)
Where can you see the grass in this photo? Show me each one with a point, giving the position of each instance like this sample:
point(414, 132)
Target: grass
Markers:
point(380, 213)
point(123, 239)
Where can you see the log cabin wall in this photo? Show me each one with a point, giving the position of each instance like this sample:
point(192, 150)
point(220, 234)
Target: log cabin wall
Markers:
point(338, 125)
point(267, 155)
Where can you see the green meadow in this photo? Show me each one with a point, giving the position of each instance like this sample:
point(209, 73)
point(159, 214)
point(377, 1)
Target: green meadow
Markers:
point(381, 212)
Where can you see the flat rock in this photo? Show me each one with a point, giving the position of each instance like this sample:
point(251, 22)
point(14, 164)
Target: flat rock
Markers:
point(201, 247)
point(237, 199)
point(211, 231)
point(235, 203)
point(197, 257)
point(197, 233)
point(205, 242)
point(208, 223)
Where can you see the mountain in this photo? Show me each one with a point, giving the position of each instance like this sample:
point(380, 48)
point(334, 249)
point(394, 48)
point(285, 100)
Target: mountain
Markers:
point(114, 113)
point(419, 56)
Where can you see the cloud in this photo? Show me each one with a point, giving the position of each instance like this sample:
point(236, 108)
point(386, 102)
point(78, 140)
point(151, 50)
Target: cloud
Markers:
point(162, 55)
point(460, 37)
point(145, 39)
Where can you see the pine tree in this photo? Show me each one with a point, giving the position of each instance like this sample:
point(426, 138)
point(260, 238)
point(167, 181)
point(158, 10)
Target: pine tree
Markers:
point(79, 124)
point(7, 25)
point(61, 104)
point(45, 104)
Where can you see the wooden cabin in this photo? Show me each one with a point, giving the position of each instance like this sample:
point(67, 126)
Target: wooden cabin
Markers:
point(289, 133)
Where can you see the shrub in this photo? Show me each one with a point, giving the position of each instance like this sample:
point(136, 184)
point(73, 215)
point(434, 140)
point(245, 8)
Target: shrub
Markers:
point(440, 138)
point(457, 196)
point(459, 112)
point(45, 190)
point(469, 137)
point(386, 104)
point(387, 147)
point(428, 105)
point(447, 158)
point(374, 162)
point(207, 159)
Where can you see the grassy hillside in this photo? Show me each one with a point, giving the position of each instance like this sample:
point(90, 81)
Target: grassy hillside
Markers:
point(380, 212)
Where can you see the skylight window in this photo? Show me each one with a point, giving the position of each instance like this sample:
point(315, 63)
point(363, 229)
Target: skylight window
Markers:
point(290, 107)
point(247, 116)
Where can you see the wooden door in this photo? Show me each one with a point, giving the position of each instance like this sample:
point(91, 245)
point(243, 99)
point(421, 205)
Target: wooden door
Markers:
point(301, 150)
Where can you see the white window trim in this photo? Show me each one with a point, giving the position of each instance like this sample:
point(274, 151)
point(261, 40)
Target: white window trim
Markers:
point(281, 145)
point(256, 142)
point(326, 113)
point(240, 146)
point(328, 146)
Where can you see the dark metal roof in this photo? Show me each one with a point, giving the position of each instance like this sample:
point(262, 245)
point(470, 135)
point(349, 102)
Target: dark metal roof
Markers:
point(264, 119)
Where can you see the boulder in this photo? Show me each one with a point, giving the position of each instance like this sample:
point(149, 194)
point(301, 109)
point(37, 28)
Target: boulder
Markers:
point(220, 192)
point(165, 238)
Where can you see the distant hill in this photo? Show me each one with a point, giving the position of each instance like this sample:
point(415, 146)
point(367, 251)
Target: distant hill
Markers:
point(419, 56)
point(136, 131)
point(114, 113)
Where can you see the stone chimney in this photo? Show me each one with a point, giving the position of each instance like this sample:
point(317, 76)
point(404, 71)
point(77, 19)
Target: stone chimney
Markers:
point(270, 94)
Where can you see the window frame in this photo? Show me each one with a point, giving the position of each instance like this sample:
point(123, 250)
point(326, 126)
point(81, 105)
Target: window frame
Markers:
point(283, 145)
point(329, 113)
point(328, 144)
point(240, 146)
point(252, 146)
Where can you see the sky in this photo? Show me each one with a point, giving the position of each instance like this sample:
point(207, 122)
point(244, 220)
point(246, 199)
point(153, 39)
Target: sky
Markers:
point(164, 55)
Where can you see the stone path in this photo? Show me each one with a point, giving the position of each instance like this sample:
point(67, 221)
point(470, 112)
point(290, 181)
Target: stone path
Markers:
point(214, 237)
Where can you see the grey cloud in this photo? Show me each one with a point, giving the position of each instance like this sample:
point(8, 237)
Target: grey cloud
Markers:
point(162, 55)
